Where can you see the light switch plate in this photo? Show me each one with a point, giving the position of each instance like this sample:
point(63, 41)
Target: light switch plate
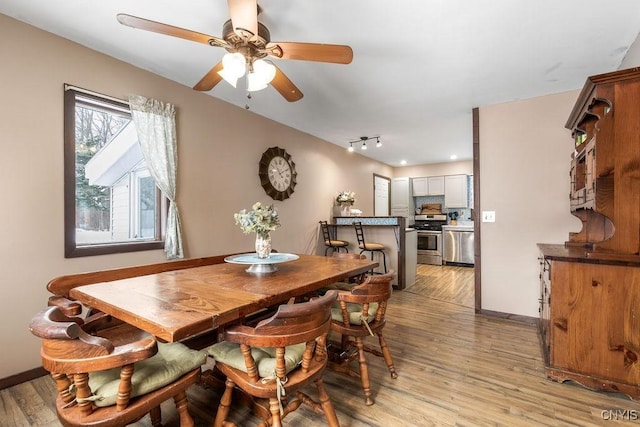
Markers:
point(488, 216)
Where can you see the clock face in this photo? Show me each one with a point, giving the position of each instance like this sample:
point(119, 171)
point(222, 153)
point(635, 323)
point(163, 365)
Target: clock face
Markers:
point(277, 173)
point(280, 173)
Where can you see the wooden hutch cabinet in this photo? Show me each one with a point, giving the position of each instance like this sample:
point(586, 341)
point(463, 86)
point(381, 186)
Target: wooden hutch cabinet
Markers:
point(590, 286)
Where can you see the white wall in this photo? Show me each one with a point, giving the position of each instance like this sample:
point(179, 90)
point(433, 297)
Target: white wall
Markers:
point(525, 153)
point(219, 150)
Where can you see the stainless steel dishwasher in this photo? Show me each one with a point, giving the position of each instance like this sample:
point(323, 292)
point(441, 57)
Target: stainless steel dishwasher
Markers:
point(457, 246)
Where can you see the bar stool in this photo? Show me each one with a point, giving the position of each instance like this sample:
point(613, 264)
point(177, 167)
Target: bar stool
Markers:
point(369, 246)
point(334, 244)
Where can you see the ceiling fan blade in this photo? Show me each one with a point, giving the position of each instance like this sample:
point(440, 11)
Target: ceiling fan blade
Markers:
point(210, 79)
point(169, 30)
point(244, 17)
point(336, 53)
point(285, 87)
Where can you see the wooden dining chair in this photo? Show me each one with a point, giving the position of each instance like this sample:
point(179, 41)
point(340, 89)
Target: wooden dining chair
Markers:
point(357, 314)
point(115, 375)
point(274, 360)
point(330, 242)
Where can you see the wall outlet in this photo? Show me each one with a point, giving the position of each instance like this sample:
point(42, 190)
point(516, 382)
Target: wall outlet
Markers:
point(488, 216)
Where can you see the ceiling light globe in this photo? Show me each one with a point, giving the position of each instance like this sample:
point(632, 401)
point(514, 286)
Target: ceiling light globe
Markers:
point(260, 75)
point(350, 149)
point(364, 146)
point(235, 64)
point(233, 67)
point(254, 83)
point(265, 69)
point(228, 77)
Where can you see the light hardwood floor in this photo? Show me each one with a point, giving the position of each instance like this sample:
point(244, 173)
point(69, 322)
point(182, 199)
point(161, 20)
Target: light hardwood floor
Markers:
point(455, 369)
point(445, 283)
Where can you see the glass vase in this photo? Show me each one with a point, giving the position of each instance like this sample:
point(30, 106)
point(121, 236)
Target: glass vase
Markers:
point(263, 246)
point(345, 210)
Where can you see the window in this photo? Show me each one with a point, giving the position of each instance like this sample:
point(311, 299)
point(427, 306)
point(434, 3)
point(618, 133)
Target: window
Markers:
point(111, 201)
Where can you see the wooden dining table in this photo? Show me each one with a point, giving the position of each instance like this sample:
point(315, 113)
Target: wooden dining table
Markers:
point(178, 304)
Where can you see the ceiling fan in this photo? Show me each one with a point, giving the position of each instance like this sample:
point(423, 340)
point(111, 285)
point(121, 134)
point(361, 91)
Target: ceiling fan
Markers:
point(248, 42)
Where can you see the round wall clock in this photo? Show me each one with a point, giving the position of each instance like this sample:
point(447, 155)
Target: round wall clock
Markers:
point(277, 173)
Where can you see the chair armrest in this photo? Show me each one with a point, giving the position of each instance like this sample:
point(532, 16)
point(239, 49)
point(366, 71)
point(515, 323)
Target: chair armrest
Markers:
point(53, 324)
point(67, 306)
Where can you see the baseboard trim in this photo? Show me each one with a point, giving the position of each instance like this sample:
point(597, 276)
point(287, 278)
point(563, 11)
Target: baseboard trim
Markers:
point(509, 316)
point(22, 377)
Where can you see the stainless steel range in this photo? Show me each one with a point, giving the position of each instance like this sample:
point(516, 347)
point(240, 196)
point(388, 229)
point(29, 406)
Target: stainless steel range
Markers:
point(429, 229)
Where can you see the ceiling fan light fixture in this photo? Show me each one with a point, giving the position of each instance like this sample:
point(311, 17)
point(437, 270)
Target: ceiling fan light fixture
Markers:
point(234, 66)
point(260, 75)
point(364, 146)
point(378, 143)
point(228, 77)
point(350, 149)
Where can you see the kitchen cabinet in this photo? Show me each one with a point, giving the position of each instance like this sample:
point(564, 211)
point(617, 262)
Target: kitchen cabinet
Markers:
point(428, 186)
point(456, 191)
point(419, 187)
point(401, 200)
point(590, 286)
point(435, 185)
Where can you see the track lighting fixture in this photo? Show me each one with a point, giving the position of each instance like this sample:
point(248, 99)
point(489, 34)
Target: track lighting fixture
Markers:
point(364, 140)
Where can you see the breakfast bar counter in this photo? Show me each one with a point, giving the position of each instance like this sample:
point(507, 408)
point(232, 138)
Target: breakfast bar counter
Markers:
point(390, 231)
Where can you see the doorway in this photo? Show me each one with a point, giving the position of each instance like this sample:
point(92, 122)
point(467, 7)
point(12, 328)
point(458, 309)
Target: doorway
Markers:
point(381, 195)
point(456, 284)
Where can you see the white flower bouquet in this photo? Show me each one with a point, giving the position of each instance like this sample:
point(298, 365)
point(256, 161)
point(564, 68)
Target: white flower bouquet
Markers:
point(260, 220)
point(346, 198)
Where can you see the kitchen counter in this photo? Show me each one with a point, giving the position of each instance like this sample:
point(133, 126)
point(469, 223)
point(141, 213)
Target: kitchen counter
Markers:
point(392, 232)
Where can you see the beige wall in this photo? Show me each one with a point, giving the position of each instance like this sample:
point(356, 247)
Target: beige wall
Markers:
point(219, 149)
point(525, 153)
point(436, 169)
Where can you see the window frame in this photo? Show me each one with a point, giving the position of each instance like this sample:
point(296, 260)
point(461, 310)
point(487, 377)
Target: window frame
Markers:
point(71, 248)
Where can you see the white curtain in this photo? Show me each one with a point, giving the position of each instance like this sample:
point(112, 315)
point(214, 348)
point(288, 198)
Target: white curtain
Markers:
point(156, 127)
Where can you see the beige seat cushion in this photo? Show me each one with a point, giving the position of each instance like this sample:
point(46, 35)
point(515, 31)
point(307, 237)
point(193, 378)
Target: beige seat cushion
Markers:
point(336, 243)
point(265, 357)
point(372, 246)
point(355, 312)
point(172, 361)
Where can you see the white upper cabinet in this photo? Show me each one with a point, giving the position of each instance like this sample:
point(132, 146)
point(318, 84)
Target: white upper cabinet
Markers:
point(455, 191)
point(419, 186)
point(435, 185)
point(428, 186)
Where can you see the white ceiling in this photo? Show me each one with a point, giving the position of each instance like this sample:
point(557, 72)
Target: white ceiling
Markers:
point(419, 66)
